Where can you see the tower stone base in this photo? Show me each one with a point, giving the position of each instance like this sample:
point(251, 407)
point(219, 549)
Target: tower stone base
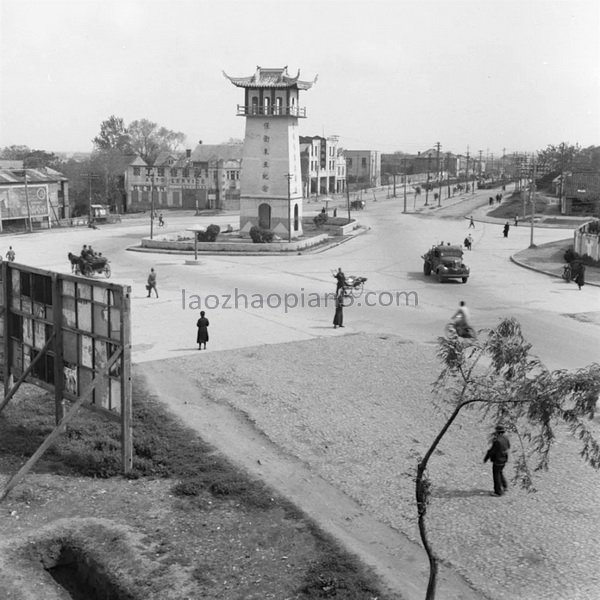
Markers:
point(271, 213)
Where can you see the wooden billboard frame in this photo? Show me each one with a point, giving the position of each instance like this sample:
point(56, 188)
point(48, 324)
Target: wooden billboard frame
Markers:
point(111, 356)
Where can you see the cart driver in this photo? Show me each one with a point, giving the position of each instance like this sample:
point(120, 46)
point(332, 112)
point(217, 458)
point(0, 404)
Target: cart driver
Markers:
point(341, 280)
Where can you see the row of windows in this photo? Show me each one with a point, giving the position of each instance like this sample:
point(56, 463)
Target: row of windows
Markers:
point(363, 162)
point(185, 173)
point(314, 166)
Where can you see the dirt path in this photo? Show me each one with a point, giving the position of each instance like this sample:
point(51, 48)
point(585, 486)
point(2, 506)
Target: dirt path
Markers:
point(401, 563)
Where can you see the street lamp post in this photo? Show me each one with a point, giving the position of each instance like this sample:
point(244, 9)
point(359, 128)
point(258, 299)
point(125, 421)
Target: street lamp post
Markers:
point(289, 181)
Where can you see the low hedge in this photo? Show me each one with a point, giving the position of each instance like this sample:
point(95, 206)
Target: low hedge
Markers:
point(261, 236)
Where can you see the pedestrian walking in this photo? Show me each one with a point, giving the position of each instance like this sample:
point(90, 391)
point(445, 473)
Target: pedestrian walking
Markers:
point(161, 222)
point(467, 243)
point(10, 255)
point(202, 325)
point(580, 277)
point(498, 454)
point(334, 213)
point(471, 222)
point(491, 201)
point(151, 283)
point(506, 228)
point(338, 318)
point(498, 198)
point(516, 220)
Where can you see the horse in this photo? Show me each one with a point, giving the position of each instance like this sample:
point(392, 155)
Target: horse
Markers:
point(75, 264)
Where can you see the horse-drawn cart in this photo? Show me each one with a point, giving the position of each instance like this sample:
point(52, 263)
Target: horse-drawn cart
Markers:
point(89, 265)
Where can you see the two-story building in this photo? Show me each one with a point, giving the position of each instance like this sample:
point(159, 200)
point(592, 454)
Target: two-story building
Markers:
point(363, 168)
point(323, 166)
point(207, 177)
point(32, 198)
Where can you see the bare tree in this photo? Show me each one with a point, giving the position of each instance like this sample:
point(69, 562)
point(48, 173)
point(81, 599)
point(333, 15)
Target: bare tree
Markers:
point(113, 136)
point(499, 377)
point(149, 140)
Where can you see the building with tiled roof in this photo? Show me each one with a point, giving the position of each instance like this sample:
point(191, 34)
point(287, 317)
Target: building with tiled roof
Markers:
point(581, 194)
point(275, 78)
point(207, 177)
point(32, 198)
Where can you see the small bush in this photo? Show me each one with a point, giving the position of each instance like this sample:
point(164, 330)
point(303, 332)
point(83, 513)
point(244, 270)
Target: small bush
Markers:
point(261, 236)
point(320, 220)
point(210, 235)
point(570, 255)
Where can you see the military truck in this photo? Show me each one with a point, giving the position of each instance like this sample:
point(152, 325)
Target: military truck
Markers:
point(445, 262)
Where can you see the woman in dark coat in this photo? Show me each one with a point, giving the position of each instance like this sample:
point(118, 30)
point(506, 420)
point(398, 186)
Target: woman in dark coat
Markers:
point(338, 318)
point(202, 326)
point(580, 277)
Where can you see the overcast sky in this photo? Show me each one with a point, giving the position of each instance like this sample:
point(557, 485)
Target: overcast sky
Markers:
point(392, 74)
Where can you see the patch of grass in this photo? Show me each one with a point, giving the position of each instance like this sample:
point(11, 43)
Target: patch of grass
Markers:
point(338, 576)
point(514, 206)
point(204, 483)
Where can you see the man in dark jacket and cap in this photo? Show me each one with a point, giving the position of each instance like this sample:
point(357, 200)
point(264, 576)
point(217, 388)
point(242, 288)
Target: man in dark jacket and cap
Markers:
point(498, 454)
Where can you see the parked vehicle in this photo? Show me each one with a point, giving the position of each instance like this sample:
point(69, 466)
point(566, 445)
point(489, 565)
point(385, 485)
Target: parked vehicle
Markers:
point(446, 262)
point(357, 204)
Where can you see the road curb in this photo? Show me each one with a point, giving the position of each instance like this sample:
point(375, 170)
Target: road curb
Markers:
point(544, 272)
point(316, 250)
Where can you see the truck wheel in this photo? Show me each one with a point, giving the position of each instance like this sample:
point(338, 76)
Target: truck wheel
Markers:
point(464, 279)
point(426, 268)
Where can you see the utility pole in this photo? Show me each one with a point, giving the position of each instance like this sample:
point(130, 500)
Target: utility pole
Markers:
point(404, 185)
point(152, 205)
point(427, 184)
point(532, 200)
point(348, 201)
point(439, 174)
point(562, 174)
point(467, 172)
point(480, 153)
point(448, 171)
point(27, 202)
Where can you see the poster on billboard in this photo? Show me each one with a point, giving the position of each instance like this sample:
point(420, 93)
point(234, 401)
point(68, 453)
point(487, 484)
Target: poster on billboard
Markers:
point(14, 200)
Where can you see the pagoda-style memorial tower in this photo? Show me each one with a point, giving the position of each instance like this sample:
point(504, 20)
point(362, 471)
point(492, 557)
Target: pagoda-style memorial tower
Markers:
point(271, 179)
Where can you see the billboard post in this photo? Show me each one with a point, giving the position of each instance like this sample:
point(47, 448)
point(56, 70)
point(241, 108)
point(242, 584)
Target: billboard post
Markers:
point(69, 335)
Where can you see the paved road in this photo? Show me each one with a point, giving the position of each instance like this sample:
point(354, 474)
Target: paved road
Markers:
point(389, 255)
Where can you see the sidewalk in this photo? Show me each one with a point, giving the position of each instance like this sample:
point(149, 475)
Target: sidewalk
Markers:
point(545, 258)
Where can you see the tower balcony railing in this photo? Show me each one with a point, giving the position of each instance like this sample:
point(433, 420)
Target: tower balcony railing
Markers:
point(271, 111)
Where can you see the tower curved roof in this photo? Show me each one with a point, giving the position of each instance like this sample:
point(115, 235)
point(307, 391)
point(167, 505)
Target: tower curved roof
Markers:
point(271, 78)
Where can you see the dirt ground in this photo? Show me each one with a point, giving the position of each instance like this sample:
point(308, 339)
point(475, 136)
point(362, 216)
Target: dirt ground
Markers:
point(356, 412)
point(337, 426)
